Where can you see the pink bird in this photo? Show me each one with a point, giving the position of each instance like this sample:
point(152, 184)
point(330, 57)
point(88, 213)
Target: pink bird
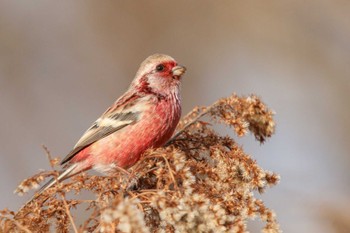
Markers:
point(145, 116)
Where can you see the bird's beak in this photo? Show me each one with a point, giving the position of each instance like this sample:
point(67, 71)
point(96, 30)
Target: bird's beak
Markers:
point(178, 70)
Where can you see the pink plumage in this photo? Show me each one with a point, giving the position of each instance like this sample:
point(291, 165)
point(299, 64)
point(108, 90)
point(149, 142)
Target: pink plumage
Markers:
point(144, 117)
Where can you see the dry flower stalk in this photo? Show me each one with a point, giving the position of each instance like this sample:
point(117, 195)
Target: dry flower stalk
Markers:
point(199, 182)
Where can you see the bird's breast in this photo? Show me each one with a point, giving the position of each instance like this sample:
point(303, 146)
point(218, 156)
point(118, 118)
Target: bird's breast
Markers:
point(123, 148)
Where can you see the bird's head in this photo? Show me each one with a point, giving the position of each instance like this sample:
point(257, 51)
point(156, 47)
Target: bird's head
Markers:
point(159, 73)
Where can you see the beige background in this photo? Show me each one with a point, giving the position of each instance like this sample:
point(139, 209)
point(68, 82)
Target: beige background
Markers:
point(63, 62)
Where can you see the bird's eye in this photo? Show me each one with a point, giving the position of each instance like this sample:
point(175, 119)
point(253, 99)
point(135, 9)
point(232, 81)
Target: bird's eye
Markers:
point(160, 67)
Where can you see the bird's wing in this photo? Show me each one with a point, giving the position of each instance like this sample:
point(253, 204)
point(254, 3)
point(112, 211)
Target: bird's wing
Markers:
point(120, 115)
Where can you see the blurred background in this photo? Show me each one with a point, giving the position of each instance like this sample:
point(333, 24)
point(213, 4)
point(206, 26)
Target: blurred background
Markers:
point(62, 63)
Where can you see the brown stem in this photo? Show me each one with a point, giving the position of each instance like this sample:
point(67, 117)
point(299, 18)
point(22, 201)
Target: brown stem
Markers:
point(208, 109)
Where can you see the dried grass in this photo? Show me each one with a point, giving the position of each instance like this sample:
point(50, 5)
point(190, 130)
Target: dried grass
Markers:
point(199, 182)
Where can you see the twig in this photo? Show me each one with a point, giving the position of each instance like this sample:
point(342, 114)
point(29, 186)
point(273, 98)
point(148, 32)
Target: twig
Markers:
point(21, 227)
point(170, 172)
point(69, 214)
point(133, 196)
point(36, 195)
point(92, 217)
point(48, 154)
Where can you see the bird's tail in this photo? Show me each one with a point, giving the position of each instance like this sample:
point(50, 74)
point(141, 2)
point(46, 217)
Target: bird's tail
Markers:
point(64, 174)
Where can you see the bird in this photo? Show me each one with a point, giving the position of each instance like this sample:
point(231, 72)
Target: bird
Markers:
point(144, 117)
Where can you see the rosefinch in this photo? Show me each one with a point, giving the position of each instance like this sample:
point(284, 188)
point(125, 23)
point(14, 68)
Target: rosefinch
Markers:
point(145, 116)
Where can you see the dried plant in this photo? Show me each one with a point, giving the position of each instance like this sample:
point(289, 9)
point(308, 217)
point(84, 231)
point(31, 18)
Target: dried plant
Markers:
point(199, 182)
